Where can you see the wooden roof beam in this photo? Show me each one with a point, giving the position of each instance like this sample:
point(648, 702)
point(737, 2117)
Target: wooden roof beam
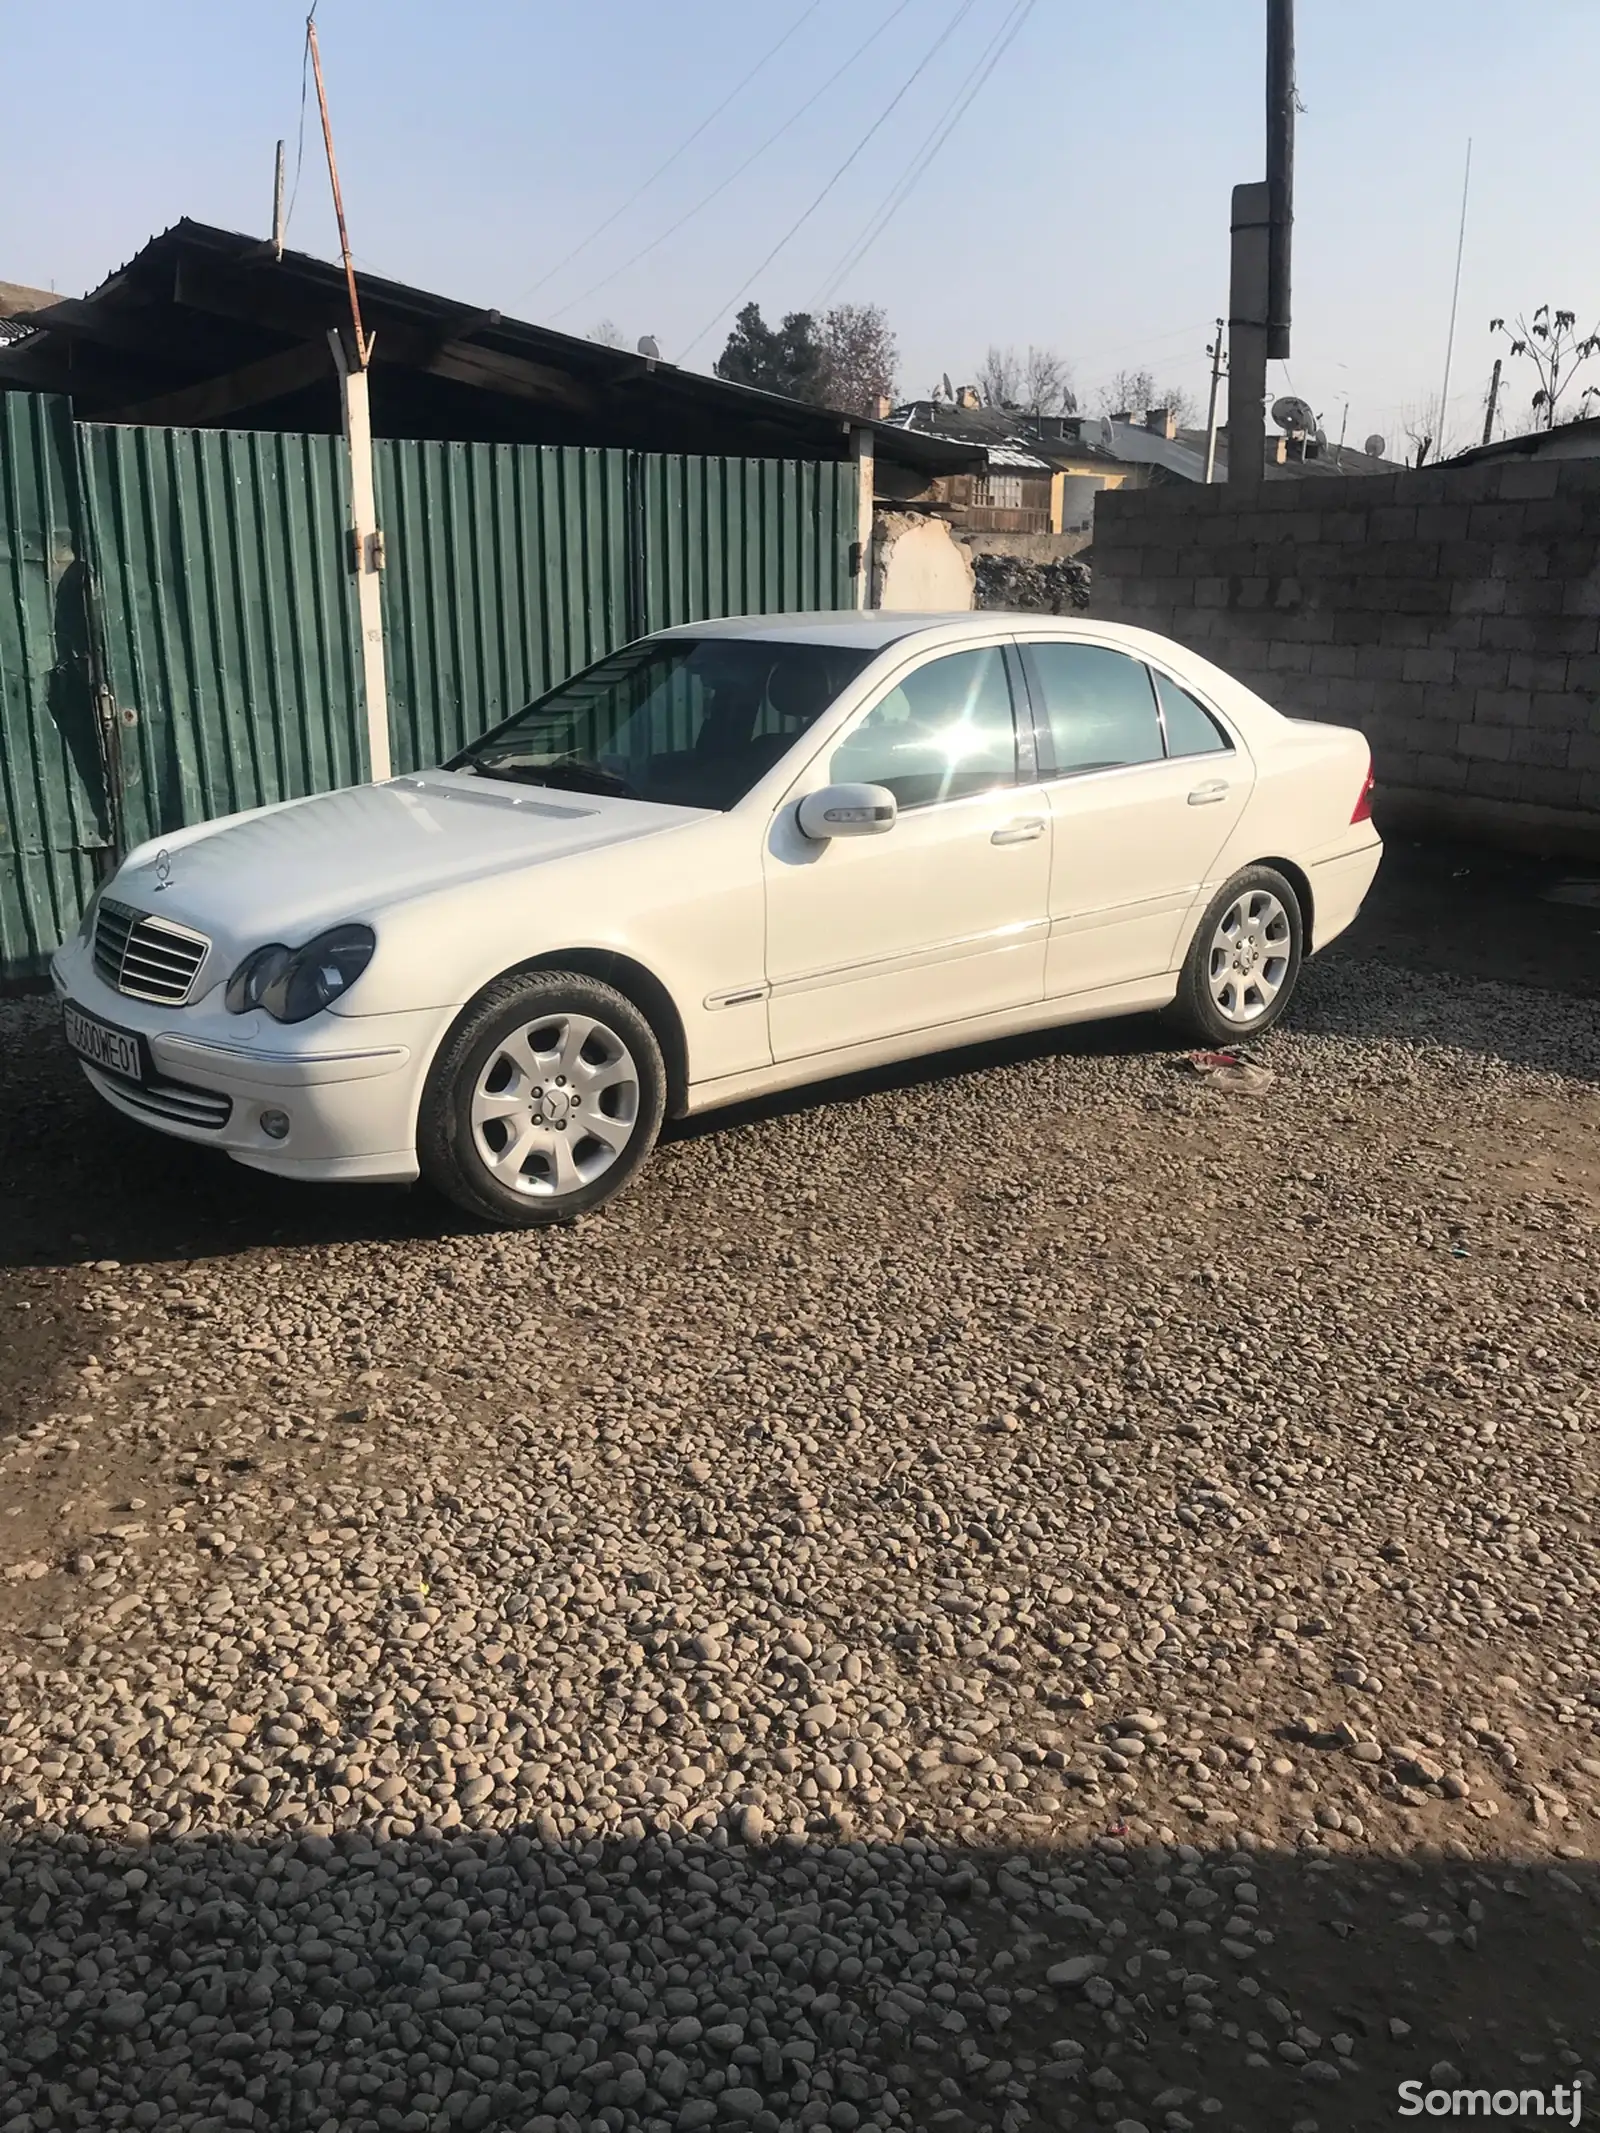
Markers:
point(269, 378)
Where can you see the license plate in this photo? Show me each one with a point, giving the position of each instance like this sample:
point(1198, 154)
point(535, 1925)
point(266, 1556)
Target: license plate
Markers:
point(118, 1051)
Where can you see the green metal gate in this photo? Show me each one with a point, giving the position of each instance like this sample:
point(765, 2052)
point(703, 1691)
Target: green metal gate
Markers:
point(228, 618)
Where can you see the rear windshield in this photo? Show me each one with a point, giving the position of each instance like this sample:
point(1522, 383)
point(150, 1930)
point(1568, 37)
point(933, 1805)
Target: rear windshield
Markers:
point(687, 722)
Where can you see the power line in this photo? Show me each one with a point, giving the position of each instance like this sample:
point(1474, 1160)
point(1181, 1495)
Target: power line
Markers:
point(754, 156)
point(932, 142)
point(804, 217)
point(682, 149)
point(300, 140)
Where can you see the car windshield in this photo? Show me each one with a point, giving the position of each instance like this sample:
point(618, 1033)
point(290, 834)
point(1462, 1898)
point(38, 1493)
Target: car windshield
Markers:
point(687, 722)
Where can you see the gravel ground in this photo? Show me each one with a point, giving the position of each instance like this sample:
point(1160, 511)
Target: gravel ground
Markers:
point(1047, 1594)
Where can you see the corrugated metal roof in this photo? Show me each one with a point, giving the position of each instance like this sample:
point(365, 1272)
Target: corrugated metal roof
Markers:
point(161, 293)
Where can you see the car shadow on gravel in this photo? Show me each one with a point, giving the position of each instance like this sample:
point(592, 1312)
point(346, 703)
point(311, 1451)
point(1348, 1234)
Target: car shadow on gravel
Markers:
point(1125, 1037)
point(474, 1979)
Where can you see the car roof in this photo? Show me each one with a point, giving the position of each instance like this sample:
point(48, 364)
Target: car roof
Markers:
point(873, 629)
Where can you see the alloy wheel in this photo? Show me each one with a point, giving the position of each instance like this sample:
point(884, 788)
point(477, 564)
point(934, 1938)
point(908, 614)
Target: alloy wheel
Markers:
point(1251, 954)
point(555, 1105)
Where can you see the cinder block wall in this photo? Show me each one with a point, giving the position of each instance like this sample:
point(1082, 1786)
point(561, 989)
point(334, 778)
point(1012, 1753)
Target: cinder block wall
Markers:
point(1451, 613)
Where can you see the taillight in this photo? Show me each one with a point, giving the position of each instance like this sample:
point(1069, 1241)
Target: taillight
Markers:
point(1363, 812)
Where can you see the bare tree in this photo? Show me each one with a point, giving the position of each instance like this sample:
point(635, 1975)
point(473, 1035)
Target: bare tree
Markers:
point(1133, 391)
point(859, 358)
point(1128, 392)
point(1000, 377)
point(606, 332)
point(1552, 343)
point(1036, 381)
point(1422, 422)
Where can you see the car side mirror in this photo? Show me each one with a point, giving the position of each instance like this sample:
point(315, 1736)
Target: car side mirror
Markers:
point(847, 811)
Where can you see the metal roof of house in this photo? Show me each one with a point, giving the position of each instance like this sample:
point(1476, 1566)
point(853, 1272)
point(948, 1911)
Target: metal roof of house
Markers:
point(1568, 440)
point(204, 326)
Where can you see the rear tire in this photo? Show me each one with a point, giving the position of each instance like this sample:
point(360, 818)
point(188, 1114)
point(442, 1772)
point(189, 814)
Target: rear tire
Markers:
point(1244, 962)
point(543, 1102)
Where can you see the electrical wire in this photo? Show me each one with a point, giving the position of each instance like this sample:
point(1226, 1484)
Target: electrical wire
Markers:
point(300, 142)
point(805, 216)
point(682, 149)
point(754, 156)
point(932, 142)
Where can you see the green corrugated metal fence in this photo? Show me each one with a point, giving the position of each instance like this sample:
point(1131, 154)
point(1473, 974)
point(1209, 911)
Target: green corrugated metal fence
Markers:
point(53, 813)
point(506, 568)
point(186, 593)
point(510, 566)
point(229, 618)
point(743, 536)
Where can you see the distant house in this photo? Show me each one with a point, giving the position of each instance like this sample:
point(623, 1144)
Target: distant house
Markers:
point(1046, 470)
point(1040, 475)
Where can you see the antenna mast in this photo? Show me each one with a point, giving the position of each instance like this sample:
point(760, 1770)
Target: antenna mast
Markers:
point(1455, 299)
point(363, 345)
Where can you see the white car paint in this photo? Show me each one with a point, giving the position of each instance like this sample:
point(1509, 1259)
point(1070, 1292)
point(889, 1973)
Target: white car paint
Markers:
point(784, 961)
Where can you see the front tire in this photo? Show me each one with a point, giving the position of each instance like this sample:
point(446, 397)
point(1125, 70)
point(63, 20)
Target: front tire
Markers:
point(543, 1101)
point(1244, 962)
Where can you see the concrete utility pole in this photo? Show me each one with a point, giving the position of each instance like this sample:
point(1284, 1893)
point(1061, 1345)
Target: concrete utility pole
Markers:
point(366, 551)
point(1247, 336)
point(1280, 171)
point(862, 451)
point(1258, 295)
point(1215, 353)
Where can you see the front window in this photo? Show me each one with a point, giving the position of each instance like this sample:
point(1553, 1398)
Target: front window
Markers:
point(945, 732)
point(685, 722)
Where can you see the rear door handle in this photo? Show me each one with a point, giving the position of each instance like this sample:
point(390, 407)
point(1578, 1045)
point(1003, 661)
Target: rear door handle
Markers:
point(1022, 831)
point(1204, 795)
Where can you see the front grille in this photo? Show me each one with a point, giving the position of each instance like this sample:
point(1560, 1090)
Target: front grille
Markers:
point(176, 1100)
point(146, 958)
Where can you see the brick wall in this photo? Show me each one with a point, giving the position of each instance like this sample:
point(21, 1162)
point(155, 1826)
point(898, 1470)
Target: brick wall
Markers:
point(1451, 613)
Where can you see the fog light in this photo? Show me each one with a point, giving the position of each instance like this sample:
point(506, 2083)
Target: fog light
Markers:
point(275, 1125)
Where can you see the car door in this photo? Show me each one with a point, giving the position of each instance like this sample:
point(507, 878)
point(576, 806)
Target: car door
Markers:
point(943, 917)
point(1145, 786)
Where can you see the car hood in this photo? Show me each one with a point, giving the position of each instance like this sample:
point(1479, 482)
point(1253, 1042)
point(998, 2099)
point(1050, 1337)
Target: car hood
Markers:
point(280, 873)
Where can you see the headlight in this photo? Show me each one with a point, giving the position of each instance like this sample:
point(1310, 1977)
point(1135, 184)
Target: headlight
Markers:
point(293, 984)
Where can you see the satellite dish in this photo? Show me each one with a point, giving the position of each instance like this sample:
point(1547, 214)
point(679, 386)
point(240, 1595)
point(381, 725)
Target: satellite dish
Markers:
point(649, 346)
point(949, 389)
point(1294, 416)
point(1375, 446)
point(1108, 436)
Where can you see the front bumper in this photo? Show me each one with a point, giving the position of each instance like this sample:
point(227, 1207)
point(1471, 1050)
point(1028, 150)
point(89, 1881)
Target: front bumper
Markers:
point(349, 1085)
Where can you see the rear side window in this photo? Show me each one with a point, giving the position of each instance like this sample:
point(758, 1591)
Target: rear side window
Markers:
point(1099, 705)
point(1191, 730)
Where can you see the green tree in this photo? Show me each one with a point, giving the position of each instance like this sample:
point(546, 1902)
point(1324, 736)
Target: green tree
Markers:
point(788, 358)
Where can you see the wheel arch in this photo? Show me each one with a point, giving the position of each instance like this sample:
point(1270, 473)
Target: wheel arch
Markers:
point(1300, 882)
point(644, 989)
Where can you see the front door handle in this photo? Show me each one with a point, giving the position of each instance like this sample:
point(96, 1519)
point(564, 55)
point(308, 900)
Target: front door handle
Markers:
point(1205, 795)
point(1022, 831)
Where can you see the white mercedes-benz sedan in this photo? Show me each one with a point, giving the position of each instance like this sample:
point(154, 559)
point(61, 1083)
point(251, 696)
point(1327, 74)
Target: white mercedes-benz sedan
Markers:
point(727, 859)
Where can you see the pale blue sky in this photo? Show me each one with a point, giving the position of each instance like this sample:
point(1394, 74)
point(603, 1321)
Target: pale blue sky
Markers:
point(1082, 201)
